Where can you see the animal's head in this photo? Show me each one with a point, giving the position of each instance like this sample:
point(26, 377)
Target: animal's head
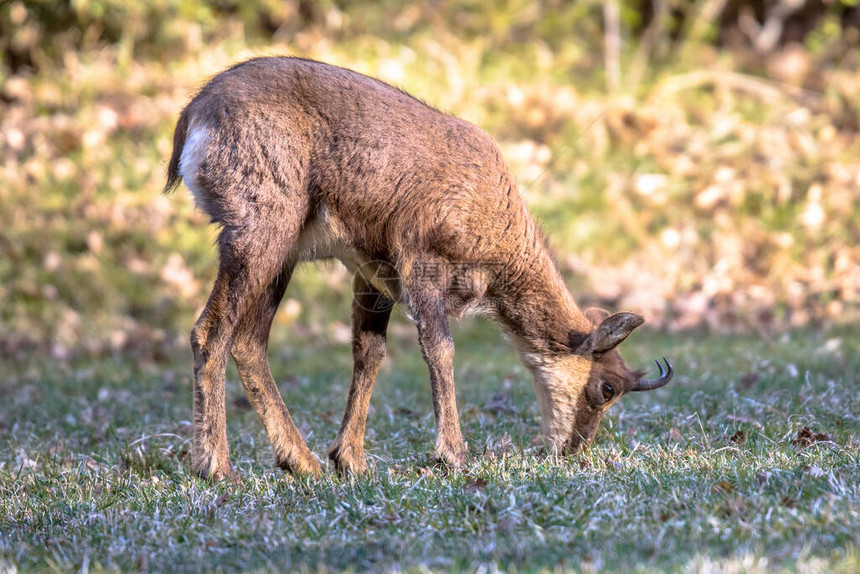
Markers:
point(576, 390)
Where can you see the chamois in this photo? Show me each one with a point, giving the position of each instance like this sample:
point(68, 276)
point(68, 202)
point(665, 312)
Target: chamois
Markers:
point(298, 160)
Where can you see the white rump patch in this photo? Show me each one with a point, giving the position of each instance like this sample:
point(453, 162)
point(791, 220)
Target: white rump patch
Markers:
point(193, 154)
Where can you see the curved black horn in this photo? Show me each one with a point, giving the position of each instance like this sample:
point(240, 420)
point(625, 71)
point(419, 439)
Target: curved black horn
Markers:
point(665, 377)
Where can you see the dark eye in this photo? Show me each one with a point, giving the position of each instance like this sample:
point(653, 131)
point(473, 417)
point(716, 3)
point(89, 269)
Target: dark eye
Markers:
point(608, 391)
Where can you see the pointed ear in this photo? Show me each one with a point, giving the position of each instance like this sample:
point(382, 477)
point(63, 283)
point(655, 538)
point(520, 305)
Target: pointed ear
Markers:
point(609, 333)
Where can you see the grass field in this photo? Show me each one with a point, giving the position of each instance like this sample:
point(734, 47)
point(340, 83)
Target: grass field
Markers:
point(747, 461)
point(703, 184)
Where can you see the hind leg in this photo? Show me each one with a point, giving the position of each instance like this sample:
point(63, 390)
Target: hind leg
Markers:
point(370, 314)
point(210, 456)
point(249, 350)
point(253, 249)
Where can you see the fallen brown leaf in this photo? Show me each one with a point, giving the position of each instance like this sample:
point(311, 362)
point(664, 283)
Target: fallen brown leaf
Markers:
point(806, 437)
point(722, 487)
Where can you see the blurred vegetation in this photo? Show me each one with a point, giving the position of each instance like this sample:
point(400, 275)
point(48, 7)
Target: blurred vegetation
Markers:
point(695, 161)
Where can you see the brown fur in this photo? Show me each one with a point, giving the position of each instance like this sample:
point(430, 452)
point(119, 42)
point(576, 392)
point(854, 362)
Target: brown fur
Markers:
point(298, 160)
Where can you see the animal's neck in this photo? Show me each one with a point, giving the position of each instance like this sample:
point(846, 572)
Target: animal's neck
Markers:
point(534, 304)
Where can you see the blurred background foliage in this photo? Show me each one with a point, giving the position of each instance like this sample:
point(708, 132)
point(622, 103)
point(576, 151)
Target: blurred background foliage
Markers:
point(694, 161)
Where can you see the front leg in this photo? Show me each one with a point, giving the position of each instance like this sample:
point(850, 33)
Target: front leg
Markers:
point(438, 349)
point(370, 314)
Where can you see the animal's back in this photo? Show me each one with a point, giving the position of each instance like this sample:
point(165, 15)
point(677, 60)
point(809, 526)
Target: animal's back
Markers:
point(392, 170)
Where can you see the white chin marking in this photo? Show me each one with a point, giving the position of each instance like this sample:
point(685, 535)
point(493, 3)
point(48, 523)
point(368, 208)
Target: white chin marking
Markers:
point(193, 154)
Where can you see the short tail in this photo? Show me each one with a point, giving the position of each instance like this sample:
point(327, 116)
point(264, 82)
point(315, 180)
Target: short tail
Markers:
point(173, 176)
